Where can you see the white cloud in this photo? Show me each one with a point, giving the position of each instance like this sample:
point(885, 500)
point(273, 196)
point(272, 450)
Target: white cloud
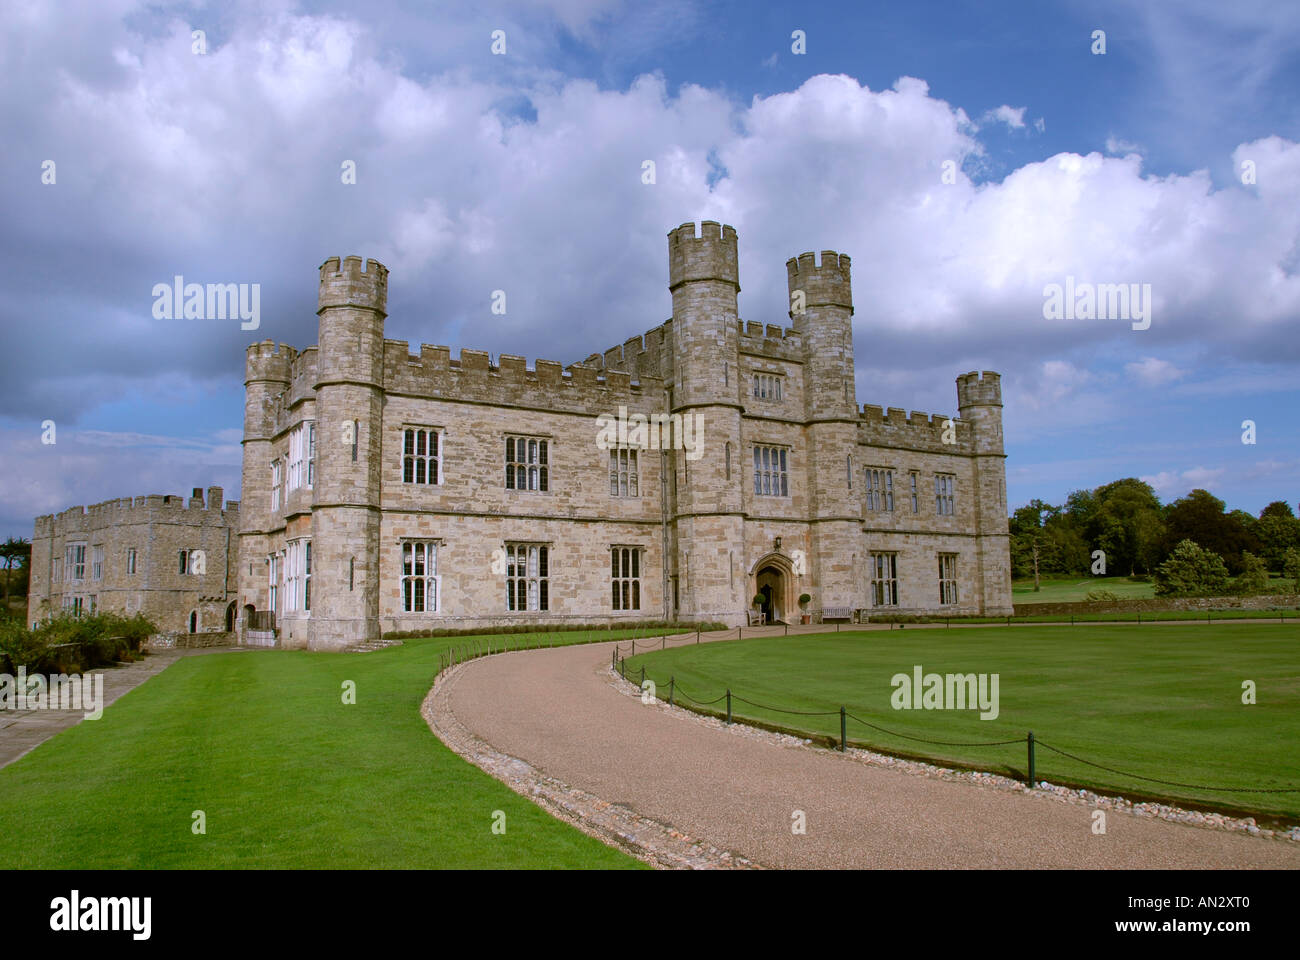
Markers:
point(1170, 484)
point(1013, 117)
point(1153, 372)
point(1117, 145)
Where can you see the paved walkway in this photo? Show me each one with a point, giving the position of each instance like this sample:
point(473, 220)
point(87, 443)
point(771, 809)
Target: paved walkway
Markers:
point(557, 710)
point(22, 731)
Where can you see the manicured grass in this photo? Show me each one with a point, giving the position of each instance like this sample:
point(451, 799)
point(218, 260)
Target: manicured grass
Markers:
point(1074, 589)
point(1150, 616)
point(287, 775)
point(1158, 701)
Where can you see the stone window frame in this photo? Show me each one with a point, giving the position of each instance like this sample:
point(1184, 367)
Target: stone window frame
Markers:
point(534, 467)
point(945, 494)
point(414, 550)
point(533, 579)
point(97, 562)
point(277, 477)
point(274, 570)
point(431, 462)
point(301, 473)
point(297, 576)
point(883, 567)
point(624, 472)
point(767, 473)
point(948, 592)
point(130, 561)
point(627, 566)
point(74, 561)
point(879, 489)
point(915, 476)
point(768, 386)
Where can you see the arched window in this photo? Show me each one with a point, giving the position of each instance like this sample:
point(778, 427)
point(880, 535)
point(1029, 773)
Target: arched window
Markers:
point(727, 456)
point(194, 621)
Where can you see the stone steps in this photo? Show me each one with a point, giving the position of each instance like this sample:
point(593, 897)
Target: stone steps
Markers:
point(369, 646)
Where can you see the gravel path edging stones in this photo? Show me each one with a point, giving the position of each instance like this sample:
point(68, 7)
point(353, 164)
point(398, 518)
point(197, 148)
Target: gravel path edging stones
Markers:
point(1044, 789)
point(649, 840)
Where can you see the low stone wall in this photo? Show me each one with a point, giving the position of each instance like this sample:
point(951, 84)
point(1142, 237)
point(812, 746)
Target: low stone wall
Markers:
point(188, 641)
point(1277, 601)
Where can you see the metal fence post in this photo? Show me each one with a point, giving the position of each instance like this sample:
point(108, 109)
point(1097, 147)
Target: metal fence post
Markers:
point(634, 646)
point(622, 668)
point(1031, 757)
point(728, 706)
point(643, 676)
point(843, 731)
point(671, 681)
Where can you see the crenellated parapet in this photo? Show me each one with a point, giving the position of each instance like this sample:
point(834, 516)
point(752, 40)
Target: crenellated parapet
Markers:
point(828, 283)
point(709, 254)
point(580, 388)
point(265, 362)
point(979, 389)
point(152, 508)
point(648, 355)
point(352, 283)
point(771, 340)
point(918, 431)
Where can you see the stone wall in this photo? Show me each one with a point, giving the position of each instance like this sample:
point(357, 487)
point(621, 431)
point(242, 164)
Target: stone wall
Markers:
point(155, 529)
point(1156, 604)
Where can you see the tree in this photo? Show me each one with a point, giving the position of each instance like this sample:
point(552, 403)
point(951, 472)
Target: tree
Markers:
point(1032, 548)
point(1191, 571)
point(14, 551)
point(1125, 521)
point(1200, 517)
point(1291, 568)
point(1254, 576)
point(1278, 508)
point(1278, 533)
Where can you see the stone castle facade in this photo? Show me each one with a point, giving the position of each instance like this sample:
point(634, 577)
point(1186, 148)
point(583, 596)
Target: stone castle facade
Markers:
point(171, 560)
point(675, 476)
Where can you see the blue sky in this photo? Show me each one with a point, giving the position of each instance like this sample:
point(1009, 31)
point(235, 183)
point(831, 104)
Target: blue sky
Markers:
point(522, 171)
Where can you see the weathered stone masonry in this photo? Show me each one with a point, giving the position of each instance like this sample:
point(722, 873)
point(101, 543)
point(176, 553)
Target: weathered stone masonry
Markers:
point(139, 541)
point(706, 541)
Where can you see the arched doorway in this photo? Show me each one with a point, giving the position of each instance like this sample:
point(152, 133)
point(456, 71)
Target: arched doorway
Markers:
point(230, 617)
point(772, 577)
point(194, 621)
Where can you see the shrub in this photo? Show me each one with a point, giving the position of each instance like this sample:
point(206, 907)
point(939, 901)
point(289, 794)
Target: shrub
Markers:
point(1253, 578)
point(1191, 571)
point(1099, 593)
point(1291, 568)
point(804, 599)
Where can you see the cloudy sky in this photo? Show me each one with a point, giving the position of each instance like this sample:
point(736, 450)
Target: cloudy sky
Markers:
point(1171, 160)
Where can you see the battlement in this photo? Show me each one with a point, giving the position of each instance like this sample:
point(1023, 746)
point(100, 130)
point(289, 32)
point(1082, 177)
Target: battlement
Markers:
point(710, 255)
point(349, 284)
point(828, 283)
point(770, 340)
point(265, 362)
point(642, 356)
point(922, 431)
point(120, 511)
point(979, 389)
point(581, 387)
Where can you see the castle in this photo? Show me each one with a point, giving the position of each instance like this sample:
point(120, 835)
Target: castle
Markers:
point(170, 560)
point(710, 470)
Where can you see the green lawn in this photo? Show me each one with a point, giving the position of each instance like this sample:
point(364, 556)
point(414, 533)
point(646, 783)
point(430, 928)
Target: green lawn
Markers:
point(1160, 701)
point(287, 775)
point(1073, 589)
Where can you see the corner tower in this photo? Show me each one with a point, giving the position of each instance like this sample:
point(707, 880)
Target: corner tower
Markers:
point(979, 401)
point(349, 388)
point(267, 373)
point(707, 553)
point(821, 309)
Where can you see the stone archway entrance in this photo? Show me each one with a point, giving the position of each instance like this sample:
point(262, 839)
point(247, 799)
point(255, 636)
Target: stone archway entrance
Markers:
point(773, 580)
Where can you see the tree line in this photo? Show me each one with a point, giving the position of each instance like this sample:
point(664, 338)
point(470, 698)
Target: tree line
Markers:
point(1137, 534)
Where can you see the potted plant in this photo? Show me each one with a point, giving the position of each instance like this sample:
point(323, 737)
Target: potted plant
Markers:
point(804, 600)
point(758, 603)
